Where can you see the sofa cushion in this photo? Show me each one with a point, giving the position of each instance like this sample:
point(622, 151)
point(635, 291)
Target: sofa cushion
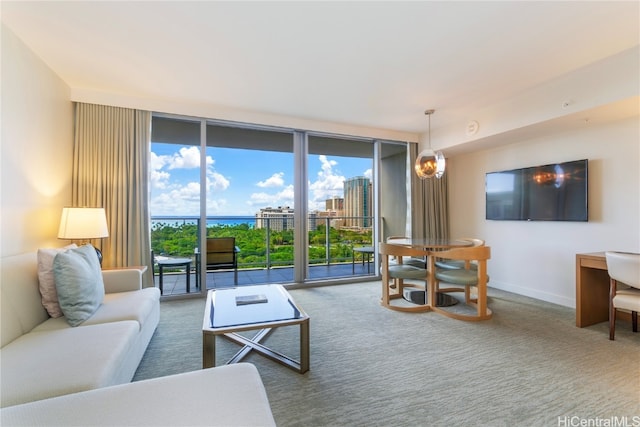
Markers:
point(46, 279)
point(39, 365)
point(78, 283)
point(134, 305)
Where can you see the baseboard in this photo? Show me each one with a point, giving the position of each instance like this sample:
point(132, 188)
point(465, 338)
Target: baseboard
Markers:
point(533, 293)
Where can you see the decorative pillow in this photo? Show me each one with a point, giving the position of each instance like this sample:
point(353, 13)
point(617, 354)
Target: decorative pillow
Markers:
point(79, 283)
point(47, 281)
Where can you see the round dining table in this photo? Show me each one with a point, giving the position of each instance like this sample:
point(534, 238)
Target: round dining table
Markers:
point(429, 243)
point(430, 246)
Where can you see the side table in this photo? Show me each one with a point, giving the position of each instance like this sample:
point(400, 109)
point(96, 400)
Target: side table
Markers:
point(174, 262)
point(365, 251)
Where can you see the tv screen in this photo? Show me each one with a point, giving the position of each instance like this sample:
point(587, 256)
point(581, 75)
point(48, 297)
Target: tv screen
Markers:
point(555, 192)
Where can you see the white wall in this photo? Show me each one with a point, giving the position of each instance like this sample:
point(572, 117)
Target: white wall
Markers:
point(36, 150)
point(538, 258)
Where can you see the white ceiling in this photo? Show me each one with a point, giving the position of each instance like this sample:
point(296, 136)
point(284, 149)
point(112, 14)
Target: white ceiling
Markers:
point(375, 64)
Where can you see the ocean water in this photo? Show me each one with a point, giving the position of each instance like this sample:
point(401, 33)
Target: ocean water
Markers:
point(211, 221)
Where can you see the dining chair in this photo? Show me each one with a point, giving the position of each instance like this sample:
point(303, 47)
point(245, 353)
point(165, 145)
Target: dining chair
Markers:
point(395, 273)
point(420, 261)
point(624, 290)
point(464, 279)
point(451, 264)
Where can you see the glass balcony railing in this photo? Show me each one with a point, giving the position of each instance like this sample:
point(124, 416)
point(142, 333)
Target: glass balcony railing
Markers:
point(268, 242)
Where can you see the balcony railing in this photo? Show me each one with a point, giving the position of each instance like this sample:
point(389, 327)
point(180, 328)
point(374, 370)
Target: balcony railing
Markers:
point(266, 242)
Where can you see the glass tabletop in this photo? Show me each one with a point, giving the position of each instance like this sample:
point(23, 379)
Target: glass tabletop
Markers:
point(430, 243)
point(248, 305)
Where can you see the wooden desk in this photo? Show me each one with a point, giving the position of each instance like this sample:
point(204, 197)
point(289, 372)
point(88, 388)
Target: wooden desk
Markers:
point(592, 290)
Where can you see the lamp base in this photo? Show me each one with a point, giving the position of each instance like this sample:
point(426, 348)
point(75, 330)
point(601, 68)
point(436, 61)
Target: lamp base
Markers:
point(99, 253)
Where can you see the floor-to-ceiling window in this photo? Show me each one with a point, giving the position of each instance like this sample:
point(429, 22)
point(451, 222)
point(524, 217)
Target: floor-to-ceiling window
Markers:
point(301, 206)
point(340, 207)
point(174, 202)
point(251, 199)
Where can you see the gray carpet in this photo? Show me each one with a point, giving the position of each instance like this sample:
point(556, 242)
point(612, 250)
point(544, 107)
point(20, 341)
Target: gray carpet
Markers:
point(528, 366)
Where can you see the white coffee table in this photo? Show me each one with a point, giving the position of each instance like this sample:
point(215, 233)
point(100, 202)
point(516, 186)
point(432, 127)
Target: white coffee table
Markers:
point(225, 316)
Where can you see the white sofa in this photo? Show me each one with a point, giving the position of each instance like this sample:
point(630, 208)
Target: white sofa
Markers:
point(52, 374)
point(43, 357)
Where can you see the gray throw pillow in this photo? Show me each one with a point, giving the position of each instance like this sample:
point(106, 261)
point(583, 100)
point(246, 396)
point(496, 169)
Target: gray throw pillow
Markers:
point(79, 283)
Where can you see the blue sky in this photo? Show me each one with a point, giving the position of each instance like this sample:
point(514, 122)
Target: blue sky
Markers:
point(240, 182)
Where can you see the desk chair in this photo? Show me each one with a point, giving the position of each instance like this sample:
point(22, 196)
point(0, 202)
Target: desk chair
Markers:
point(624, 290)
point(465, 278)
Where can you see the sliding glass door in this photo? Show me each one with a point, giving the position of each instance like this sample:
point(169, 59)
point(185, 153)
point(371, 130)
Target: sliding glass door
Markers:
point(340, 207)
point(174, 203)
point(250, 199)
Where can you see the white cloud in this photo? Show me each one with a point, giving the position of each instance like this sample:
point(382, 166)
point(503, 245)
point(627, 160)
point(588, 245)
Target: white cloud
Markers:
point(170, 196)
point(158, 178)
point(275, 180)
point(281, 198)
point(180, 200)
point(328, 183)
point(188, 158)
point(216, 181)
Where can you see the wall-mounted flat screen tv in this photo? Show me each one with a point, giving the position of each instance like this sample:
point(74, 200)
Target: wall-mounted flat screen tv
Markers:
point(555, 192)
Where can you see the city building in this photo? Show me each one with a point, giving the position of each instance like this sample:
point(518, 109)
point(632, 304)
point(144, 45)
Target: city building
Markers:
point(276, 219)
point(357, 202)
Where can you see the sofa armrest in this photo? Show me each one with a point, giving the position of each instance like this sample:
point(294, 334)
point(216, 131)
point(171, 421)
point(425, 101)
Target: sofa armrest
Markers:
point(229, 395)
point(122, 280)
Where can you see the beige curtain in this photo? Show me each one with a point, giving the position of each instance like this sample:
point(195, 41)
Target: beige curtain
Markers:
point(430, 203)
point(110, 170)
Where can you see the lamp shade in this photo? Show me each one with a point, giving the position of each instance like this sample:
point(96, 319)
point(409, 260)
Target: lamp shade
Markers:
point(83, 223)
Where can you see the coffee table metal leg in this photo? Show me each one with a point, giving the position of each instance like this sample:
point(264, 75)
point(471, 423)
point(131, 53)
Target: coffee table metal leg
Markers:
point(208, 351)
point(254, 345)
point(247, 349)
point(304, 346)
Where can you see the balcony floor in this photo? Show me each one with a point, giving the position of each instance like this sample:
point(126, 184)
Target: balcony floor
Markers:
point(175, 283)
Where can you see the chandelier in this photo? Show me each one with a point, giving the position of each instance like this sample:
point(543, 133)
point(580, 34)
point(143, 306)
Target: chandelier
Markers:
point(430, 163)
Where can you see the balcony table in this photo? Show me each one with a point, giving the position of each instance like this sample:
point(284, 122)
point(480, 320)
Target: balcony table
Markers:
point(365, 251)
point(174, 262)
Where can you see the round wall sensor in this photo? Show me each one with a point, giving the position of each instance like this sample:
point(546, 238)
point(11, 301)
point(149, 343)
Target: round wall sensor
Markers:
point(472, 127)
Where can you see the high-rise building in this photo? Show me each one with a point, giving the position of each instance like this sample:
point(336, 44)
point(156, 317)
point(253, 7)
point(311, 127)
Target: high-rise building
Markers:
point(357, 202)
point(278, 219)
point(334, 204)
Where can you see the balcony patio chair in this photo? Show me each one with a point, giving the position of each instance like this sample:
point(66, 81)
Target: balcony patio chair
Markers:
point(222, 254)
point(624, 293)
